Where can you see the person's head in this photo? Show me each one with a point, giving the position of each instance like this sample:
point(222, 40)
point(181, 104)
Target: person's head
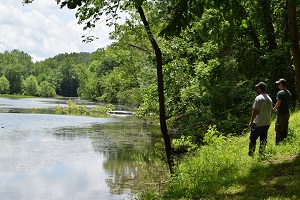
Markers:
point(261, 87)
point(281, 83)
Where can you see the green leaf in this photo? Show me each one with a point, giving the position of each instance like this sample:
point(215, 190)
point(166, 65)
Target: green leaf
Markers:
point(244, 23)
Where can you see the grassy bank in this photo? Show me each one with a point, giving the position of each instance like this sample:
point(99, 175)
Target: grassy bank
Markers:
point(222, 169)
point(15, 96)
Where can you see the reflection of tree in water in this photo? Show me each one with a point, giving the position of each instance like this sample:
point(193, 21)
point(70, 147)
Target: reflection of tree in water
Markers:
point(133, 152)
point(135, 174)
point(133, 159)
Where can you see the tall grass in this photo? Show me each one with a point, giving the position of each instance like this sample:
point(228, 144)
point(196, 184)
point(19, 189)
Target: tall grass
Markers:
point(222, 169)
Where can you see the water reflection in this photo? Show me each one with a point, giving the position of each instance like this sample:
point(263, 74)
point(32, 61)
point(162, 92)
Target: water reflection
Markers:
point(46, 156)
point(78, 180)
point(131, 159)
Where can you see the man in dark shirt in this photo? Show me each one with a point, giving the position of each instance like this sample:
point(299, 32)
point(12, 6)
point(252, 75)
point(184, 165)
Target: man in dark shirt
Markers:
point(283, 112)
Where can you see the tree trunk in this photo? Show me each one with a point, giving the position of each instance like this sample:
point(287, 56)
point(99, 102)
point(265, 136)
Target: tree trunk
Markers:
point(285, 37)
point(253, 35)
point(268, 25)
point(250, 30)
point(163, 124)
point(294, 41)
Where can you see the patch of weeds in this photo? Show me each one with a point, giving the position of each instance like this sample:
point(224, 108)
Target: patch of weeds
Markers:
point(184, 144)
point(73, 108)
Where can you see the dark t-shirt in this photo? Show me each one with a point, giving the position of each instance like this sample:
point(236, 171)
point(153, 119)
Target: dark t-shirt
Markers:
point(285, 97)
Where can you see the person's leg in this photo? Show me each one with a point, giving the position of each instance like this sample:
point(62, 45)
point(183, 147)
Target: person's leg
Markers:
point(279, 129)
point(285, 125)
point(263, 138)
point(253, 137)
point(252, 145)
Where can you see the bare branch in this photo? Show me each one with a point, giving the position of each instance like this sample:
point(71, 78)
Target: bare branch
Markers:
point(140, 48)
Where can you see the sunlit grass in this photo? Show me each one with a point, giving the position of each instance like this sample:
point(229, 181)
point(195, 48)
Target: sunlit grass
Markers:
point(221, 169)
point(15, 96)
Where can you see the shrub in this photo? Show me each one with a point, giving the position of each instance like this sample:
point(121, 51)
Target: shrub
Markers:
point(47, 89)
point(30, 86)
point(184, 143)
point(4, 85)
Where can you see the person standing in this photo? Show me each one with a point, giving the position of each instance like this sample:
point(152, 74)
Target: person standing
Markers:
point(282, 107)
point(260, 119)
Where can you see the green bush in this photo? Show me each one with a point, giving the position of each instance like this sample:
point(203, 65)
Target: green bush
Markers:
point(73, 108)
point(30, 86)
point(102, 110)
point(47, 89)
point(4, 85)
point(184, 143)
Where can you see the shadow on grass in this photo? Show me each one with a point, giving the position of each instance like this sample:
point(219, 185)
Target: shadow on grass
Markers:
point(280, 179)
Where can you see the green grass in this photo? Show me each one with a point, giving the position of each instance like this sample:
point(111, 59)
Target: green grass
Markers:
point(22, 96)
point(15, 96)
point(222, 169)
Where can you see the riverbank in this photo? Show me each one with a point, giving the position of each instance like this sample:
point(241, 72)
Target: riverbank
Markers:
point(15, 96)
point(222, 169)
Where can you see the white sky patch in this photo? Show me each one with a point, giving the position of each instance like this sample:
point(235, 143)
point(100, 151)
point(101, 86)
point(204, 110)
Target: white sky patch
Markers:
point(43, 30)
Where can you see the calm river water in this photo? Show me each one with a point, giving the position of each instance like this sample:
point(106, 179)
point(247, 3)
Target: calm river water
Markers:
point(49, 156)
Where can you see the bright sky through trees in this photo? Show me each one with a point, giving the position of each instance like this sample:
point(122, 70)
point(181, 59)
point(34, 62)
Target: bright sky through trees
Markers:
point(43, 30)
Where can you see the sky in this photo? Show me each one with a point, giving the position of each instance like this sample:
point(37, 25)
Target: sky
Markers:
point(43, 30)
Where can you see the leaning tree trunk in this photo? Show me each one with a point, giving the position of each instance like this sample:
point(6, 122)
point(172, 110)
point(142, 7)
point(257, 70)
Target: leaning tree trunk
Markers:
point(294, 41)
point(163, 124)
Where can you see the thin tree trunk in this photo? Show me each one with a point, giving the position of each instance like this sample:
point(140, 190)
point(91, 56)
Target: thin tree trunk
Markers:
point(163, 124)
point(253, 35)
point(242, 13)
point(268, 25)
point(294, 41)
point(285, 25)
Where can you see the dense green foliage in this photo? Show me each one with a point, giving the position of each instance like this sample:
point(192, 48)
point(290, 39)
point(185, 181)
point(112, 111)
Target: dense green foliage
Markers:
point(30, 86)
point(222, 169)
point(214, 52)
point(53, 76)
point(4, 85)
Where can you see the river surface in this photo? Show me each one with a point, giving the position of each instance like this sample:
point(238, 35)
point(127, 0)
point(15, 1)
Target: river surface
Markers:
point(50, 156)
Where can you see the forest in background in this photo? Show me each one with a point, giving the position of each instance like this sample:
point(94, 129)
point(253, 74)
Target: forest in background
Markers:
point(210, 66)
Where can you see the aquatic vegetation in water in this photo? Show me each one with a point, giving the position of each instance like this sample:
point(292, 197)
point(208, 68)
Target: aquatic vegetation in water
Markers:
point(101, 110)
point(73, 108)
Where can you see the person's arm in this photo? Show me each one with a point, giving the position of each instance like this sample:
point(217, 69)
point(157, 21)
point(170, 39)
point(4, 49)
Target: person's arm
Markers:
point(254, 114)
point(277, 104)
